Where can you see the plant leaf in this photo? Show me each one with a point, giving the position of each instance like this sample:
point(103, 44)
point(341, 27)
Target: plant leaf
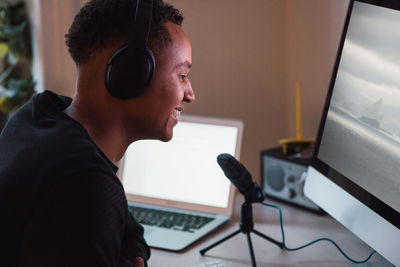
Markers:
point(4, 48)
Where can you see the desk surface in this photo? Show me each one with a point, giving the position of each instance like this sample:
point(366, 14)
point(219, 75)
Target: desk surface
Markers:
point(300, 228)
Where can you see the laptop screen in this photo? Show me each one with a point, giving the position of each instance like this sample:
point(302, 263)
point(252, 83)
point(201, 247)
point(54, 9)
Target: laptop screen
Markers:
point(184, 169)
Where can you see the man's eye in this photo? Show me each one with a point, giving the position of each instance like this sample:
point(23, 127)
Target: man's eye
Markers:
point(183, 76)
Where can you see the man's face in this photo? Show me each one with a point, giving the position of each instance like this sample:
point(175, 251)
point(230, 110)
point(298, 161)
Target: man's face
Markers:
point(169, 88)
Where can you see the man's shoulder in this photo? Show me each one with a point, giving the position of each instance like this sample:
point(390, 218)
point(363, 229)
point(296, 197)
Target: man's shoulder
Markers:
point(43, 144)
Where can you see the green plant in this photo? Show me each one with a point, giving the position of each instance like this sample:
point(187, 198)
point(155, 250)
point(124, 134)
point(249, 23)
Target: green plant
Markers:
point(16, 82)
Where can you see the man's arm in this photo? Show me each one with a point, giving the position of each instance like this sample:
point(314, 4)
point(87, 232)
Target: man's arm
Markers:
point(134, 241)
point(80, 222)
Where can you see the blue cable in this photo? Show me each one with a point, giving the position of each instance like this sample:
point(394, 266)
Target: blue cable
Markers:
point(315, 241)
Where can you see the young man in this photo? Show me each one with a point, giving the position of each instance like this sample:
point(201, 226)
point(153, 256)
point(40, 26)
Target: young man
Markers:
point(61, 203)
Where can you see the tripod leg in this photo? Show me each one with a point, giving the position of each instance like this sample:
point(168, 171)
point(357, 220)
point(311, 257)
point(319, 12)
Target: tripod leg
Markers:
point(253, 259)
point(279, 244)
point(204, 250)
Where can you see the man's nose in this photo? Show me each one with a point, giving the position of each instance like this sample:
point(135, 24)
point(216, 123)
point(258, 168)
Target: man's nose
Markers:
point(189, 94)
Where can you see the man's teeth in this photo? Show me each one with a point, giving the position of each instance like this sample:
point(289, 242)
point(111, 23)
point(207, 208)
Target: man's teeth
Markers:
point(177, 113)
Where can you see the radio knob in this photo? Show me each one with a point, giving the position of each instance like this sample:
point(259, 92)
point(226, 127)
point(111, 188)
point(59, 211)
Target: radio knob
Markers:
point(292, 193)
point(291, 179)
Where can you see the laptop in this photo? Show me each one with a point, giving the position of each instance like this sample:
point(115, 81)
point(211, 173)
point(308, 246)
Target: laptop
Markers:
point(176, 189)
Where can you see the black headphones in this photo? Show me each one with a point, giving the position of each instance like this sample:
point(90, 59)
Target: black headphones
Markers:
point(130, 69)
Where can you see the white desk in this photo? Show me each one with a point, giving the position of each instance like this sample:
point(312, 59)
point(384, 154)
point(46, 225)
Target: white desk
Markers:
point(300, 227)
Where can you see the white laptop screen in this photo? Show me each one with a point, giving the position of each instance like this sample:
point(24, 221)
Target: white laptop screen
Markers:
point(184, 169)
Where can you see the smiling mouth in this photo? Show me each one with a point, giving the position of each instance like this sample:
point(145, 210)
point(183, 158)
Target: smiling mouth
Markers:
point(176, 114)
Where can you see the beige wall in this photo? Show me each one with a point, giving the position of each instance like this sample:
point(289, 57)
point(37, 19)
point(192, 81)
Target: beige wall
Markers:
point(247, 56)
point(313, 31)
point(239, 67)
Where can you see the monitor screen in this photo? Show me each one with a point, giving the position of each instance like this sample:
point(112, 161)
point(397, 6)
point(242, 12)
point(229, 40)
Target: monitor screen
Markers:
point(361, 137)
point(358, 145)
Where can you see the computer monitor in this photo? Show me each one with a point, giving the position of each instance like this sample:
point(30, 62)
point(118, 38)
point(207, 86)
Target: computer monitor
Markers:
point(355, 172)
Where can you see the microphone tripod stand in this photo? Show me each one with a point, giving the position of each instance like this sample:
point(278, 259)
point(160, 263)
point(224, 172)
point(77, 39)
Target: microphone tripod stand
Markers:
point(246, 226)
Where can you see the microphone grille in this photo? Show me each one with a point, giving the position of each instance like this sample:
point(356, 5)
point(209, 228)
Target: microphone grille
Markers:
point(231, 167)
point(224, 156)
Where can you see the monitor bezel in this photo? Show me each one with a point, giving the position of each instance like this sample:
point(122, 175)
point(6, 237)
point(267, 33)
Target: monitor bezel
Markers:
point(375, 204)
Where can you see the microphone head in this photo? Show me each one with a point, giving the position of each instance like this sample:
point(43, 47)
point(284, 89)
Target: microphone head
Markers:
point(240, 177)
point(236, 172)
point(232, 168)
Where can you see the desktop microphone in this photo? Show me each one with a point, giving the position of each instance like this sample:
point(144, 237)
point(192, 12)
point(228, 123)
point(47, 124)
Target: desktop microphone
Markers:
point(236, 172)
point(240, 177)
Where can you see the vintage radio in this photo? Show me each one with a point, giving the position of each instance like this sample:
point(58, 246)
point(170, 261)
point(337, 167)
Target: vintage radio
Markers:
point(283, 176)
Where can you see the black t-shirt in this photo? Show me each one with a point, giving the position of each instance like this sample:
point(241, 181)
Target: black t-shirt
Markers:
point(61, 203)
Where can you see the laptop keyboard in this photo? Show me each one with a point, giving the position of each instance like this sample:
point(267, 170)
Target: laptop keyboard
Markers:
point(169, 219)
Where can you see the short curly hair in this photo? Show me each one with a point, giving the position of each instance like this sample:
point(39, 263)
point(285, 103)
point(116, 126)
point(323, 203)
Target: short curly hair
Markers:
point(103, 23)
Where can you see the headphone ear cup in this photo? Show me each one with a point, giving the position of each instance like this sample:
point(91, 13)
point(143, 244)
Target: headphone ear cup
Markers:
point(129, 72)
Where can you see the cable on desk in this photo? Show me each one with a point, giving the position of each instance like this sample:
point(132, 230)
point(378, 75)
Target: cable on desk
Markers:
point(315, 241)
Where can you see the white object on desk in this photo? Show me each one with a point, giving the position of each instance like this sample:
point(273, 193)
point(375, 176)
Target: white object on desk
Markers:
point(216, 263)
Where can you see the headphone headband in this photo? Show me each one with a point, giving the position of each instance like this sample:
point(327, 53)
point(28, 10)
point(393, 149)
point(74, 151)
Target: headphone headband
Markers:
point(141, 23)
